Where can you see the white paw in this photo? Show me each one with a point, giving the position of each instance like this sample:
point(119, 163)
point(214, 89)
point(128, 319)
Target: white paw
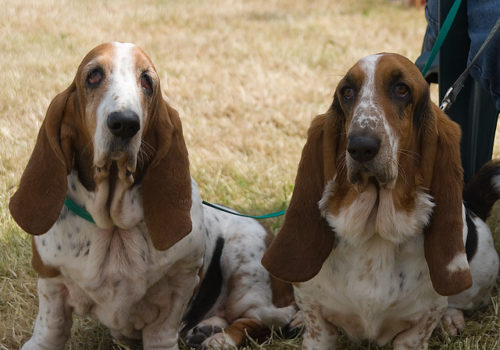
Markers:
point(297, 320)
point(453, 321)
point(289, 313)
point(275, 317)
point(32, 344)
point(219, 341)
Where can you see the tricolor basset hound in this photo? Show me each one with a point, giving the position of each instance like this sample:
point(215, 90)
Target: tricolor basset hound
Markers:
point(374, 235)
point(155, 260)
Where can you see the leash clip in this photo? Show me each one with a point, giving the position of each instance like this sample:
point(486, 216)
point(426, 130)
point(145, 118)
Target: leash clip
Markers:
point(448, 99)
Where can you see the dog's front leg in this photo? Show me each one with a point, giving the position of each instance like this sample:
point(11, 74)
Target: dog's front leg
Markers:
point(53, 323)
point(163, 333)
point(319, 333)
point(417, 337)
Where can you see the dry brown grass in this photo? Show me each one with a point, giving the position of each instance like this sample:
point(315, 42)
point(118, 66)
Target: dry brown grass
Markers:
point(246, 77)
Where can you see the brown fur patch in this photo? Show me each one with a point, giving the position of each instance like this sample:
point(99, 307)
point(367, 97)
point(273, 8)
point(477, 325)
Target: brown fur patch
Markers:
point(306, 240)
point(443, 236)
point(166, 186)
point(38, 265)
point(479, 193)
point(38, 201)
point(282, 291)
point(239, 329)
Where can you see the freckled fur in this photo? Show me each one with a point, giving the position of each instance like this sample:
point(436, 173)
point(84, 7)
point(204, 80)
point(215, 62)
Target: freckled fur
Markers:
point(398, 240)
point(137, 269)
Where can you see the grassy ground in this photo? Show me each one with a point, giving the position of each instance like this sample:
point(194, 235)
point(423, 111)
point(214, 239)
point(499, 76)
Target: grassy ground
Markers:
point(246, 77)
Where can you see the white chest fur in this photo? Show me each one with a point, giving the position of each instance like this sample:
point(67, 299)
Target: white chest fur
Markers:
point(376, 280)
point(373, 213)
point(115, 274)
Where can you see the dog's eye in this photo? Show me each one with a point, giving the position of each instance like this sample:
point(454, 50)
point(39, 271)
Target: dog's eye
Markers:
point(146, 84)
point(347, 93)
point(401, 90)
point(94, 78)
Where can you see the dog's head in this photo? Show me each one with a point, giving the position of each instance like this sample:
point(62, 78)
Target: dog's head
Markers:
point(111, 120)
point(383, 131)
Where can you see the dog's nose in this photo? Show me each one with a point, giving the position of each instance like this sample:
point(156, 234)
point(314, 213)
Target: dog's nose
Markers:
point(363, 148)
point(124, 124)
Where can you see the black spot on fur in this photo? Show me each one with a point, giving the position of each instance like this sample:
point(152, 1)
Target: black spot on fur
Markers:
point(402, 278)
point(291, 332)
point(63, 215)
point(480, 193)
point(471, 242)
point(199, 334)
point(58, 247)
point(420, 275)
point(78, 249)
point(209, 290)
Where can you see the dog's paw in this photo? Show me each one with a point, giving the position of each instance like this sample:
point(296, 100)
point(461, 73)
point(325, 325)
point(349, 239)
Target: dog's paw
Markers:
point(32, 344)
point(295, 327)
point(198, 335)
point(453, 321)
point(219, 341)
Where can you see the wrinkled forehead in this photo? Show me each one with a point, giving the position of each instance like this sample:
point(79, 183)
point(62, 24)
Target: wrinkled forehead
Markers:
point(115, 55)
point(379, 70)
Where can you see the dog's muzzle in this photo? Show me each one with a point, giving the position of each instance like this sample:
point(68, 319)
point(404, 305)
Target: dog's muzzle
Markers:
point(124, 124)
point(363, 148)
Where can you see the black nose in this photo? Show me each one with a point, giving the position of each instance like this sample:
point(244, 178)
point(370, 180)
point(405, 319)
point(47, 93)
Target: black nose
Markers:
point(124, 124)
point(363, 148)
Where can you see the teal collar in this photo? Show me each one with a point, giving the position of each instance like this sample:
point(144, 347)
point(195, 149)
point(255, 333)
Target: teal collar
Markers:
point(75, 208)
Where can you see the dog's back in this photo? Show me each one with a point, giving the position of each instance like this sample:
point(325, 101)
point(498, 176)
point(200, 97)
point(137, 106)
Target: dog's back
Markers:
point(480, 194)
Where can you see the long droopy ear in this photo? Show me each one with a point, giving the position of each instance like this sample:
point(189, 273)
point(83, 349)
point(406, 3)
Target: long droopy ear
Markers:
point(443, 176)
point(166, 186)
point(38, 201)
point(305, 239)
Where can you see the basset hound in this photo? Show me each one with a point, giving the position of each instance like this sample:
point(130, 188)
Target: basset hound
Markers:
point(375, 232)
point(155, 260)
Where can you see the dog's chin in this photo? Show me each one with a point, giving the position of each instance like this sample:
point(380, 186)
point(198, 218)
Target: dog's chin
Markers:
point(123, 152)
point(125, 159)
point(361, 177)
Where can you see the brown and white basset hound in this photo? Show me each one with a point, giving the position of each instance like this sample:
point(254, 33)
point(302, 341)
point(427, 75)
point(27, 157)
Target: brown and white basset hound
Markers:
point(155, 260)
point(374, 235)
